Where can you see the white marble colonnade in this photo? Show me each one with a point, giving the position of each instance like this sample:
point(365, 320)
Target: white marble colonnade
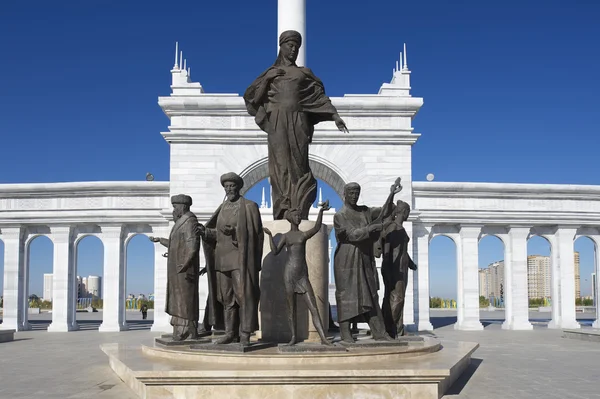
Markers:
point(65, 239)
point(514, 237)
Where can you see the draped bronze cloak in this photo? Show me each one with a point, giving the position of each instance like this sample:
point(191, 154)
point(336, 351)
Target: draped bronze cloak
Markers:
point(287, 108)
point(250, 238)
point(183, 268)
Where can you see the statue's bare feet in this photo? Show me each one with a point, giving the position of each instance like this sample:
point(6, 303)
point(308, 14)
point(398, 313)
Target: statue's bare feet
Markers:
point(292, 341)
point(326, 342)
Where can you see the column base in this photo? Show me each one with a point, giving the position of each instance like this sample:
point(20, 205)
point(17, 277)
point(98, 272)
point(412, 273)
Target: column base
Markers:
point(7, 325)
point(114, 327)
point(62, 327)
point(570, 325)
point(554, 324)
point(524, 325)
point(425, 326)
point(469, 326)
point(596, 323)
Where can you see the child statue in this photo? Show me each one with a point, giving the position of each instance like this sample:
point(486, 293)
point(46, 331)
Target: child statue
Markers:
point(295, 275)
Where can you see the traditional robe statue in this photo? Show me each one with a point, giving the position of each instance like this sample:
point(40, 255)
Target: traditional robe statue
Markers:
point(357, 230)
point(287, 101)
point(394, 269)
point(183, 269)
point(233, 245)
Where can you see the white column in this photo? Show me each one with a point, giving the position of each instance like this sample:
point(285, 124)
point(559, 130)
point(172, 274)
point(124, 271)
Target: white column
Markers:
point(555, 321)
point(420, 240)
point(409, 299)
point(565, 240)
point(515, 280)
point(161, 318)
point(63, 280)
point(596, 239)
point(15, 290)
point(468, 279)
point(291, 15)
point(113, 296)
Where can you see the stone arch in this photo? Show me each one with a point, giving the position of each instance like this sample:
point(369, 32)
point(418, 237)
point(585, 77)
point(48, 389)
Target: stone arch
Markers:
point(321, 168)
point(448, 231)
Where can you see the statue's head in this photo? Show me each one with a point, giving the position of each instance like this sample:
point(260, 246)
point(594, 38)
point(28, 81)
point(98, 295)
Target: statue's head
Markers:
point(181, 205)
point(351, 193)
point(232, 183)
point(294, 216)
point(289, 45)
point(402, 210)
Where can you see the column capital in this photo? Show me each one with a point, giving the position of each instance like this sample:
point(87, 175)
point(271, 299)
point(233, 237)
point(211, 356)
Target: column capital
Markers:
point(112, 231)
point(16, 232)
point(566, 232)
point(421, 229)
point(161, 230)
point(470, 230)
point(519, 231)
point(61, 233)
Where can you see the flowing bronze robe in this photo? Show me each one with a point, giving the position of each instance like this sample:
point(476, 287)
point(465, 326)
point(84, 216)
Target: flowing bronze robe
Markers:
point(182, 283)
point(250, 239)
point(394, 270)
point(356, 278)
point(288, 111)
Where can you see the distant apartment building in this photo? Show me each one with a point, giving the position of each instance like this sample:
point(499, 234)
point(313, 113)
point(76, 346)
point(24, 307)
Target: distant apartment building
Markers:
point(539, 276)
point(577, 277)
point(491, 280)
point(594, 285)
point(47, 296)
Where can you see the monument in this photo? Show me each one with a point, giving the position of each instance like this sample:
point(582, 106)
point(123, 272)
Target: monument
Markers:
point(233, 245)
point(357, 230)
point(295, 277)
point(287, 101)
point(183, 270)
point(394, 269)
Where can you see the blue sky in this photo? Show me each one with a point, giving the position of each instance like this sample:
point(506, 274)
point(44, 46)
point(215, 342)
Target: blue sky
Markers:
point(510, 90)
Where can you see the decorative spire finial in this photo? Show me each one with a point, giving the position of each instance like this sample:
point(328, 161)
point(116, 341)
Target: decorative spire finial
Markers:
point(176, 66)
point(180, 59)
point(405, 62)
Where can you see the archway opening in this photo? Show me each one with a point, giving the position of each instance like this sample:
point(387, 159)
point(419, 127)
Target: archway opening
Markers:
point(539, 279)
point(443, 281)
point(89, 275)
point(585, 274)
point(39, 273)
point(491, 280)
point(139, 266)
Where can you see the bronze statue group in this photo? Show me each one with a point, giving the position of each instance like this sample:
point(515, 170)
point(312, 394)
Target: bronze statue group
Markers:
point(287, 101)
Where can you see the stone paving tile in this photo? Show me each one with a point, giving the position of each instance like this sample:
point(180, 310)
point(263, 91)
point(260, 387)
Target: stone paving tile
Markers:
point(508, 364)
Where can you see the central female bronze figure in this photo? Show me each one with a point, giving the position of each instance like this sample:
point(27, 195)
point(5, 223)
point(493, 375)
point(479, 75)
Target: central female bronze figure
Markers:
point(287, 101)
point(295, 275)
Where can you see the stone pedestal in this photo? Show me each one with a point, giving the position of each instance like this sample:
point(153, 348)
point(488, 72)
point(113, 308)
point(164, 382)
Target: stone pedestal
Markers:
point(273, 311)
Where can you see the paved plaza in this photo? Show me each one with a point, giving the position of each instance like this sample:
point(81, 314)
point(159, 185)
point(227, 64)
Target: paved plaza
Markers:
point(508, 364)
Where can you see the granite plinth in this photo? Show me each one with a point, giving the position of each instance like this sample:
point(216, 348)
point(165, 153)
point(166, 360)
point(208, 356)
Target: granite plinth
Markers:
point(200, 335)
point(273, 311)
point(167, 340)
point(233, 347)
point(7, 335)
point(153, 372)
point(303, 347)
point(584, 334)
point(371, 343)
